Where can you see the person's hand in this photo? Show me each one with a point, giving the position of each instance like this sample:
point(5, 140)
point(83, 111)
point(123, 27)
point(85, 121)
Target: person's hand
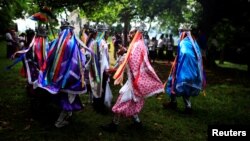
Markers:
point(158, 96)
point(13, 56)
point(110, 70)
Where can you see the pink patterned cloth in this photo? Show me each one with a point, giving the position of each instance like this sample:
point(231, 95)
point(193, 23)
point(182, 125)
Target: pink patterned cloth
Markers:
point(128, 108)
point(142, 82)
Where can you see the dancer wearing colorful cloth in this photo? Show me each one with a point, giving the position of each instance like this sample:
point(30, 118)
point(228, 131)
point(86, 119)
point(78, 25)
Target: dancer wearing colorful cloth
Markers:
point(63, 72)
point(37, 55)
point(34, 54)
point(142, 82)
point(102, 100)
point(187, 75)
point(91, 73)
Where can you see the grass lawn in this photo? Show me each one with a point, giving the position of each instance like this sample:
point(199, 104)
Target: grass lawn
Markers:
point(24, 119)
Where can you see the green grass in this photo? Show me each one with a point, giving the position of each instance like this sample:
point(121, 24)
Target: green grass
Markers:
point(232, 65)
point(24, 119)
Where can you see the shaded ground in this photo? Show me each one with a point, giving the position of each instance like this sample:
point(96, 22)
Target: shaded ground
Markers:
point(24, 118)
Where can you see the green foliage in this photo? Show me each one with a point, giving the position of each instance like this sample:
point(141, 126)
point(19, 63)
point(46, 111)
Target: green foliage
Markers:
point(118, 28)
point(166, 12)
point(107, 14)
point(11, 10)
point(180, 12)
point(154, 8)
point(223, 32)
point(192, 12)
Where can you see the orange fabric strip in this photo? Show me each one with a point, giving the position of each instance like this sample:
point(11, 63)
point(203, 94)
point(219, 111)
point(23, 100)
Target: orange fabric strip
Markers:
point(118, 76)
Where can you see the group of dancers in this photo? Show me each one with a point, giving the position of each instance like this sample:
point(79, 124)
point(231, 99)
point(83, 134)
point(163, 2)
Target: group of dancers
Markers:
point(70, 66)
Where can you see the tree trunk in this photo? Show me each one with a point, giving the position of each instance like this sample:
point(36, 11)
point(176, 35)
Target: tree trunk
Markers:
point(125, 31)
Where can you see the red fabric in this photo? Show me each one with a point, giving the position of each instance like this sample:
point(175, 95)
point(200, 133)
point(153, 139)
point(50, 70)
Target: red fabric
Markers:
point(145, 82)
point(23, 72)
point(121, 68)
point(58, 67)
point(39, 17)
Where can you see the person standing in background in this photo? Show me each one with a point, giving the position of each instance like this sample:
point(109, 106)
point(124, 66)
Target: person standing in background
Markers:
point(22, 41)
point(103, 97)
point(10, 43)
point(160, 47)
point(170, 47)
point(118, 40)
point(146, 41)
point(152, 49)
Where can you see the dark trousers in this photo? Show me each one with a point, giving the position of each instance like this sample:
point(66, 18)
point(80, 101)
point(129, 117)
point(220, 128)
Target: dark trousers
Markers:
point(98, 103)
point(186, 100)
point(10, 50)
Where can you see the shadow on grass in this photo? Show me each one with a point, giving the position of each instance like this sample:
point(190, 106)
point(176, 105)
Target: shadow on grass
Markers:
point(23, 118)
